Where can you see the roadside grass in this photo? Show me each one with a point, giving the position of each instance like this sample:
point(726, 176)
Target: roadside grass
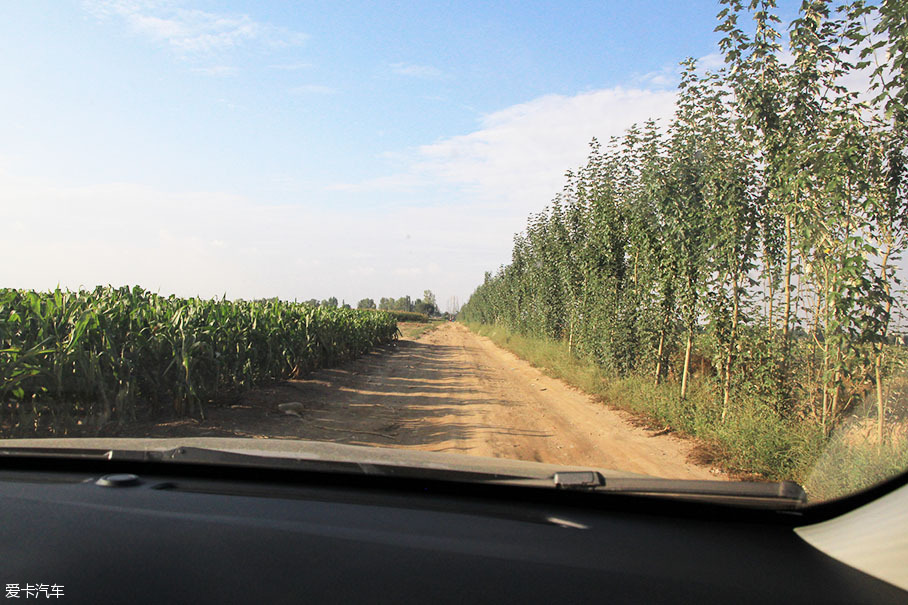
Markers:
point(753, 442)
point(854, 458)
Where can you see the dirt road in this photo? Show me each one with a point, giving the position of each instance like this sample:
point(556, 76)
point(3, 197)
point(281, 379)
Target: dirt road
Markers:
point(450, 390)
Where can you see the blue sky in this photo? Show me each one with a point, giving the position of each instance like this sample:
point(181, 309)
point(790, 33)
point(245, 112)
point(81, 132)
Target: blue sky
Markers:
point(304, 150)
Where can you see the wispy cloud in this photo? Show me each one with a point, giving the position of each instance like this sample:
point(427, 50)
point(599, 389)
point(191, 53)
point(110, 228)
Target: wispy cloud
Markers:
point(217, 71)
point(290, 66)
point(313, 89)
point(670, 75)
point(415, 71)
point(517, 157)
point(712, 61)
point(520, 154)
point(230, 104)
point(191, 31)
point(393, 182)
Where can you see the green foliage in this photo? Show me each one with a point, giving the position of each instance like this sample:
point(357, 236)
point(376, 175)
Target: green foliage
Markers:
point(408, 316)
point(396, 304)
point(747, 245)
point(425, 306)
point(113, 354)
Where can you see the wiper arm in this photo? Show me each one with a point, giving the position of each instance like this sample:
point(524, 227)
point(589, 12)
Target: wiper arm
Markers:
point(781, 494)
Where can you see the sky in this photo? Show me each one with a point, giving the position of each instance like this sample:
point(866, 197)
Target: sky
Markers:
point(310, 149)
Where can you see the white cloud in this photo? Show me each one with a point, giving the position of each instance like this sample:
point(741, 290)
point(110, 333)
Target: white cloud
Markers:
point(516, 160)
point(216, 71)
point(191, 31)
point(416, 71)
point(290, 66)
point(711, 62)
point(670, 75)
point(313, 89)
point(393, 182)
point(667, 77)
point(230, 105)
point(477, 189)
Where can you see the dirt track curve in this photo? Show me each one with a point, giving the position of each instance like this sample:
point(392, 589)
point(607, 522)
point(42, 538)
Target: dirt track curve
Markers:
point(450, 391)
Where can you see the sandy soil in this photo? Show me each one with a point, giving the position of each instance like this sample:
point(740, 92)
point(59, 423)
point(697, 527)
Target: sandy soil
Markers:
point(448, 390)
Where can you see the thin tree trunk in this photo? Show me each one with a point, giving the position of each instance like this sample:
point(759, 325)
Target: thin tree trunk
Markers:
point(825, 390)
point(685, 376)
point(826, 416)
point(814, 330)
point(731, 344)
point(770, 292)
point(786, 319)
point(571, 336)
point(836, 389)
point(879, 399)
point(659, 356)
point(571, 313)
point(880, 403)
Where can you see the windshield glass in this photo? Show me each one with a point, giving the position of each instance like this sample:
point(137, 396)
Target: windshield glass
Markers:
point(297, 221)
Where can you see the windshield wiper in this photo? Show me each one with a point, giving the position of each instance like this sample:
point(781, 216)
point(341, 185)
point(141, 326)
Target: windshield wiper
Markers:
point(778, 495)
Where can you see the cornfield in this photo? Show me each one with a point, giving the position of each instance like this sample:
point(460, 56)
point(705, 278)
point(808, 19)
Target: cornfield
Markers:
point(118, 354)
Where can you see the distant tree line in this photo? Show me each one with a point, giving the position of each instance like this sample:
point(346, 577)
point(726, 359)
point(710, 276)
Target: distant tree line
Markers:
point(330, 303)
point(425, 305)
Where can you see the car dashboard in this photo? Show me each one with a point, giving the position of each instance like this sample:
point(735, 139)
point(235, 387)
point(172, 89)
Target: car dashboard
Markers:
point(187, 533)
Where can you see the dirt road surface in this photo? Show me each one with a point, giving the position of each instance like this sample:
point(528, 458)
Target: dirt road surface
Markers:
point(449, 390)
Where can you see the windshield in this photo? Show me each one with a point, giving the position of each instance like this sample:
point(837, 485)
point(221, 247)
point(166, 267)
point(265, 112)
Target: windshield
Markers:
point(653, 238)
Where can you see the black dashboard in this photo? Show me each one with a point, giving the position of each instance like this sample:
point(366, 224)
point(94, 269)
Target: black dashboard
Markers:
point(185, 534)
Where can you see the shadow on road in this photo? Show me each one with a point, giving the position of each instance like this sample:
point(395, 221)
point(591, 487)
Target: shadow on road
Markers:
point(406, 394)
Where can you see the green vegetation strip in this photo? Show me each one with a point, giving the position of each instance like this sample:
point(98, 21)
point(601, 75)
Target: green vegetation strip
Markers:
point(118, 354)
point(408, 316)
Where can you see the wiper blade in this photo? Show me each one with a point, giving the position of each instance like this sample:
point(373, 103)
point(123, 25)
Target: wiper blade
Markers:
point(780, 494)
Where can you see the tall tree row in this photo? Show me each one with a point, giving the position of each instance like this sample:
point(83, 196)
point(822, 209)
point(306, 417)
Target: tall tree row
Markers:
point(759, 231)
